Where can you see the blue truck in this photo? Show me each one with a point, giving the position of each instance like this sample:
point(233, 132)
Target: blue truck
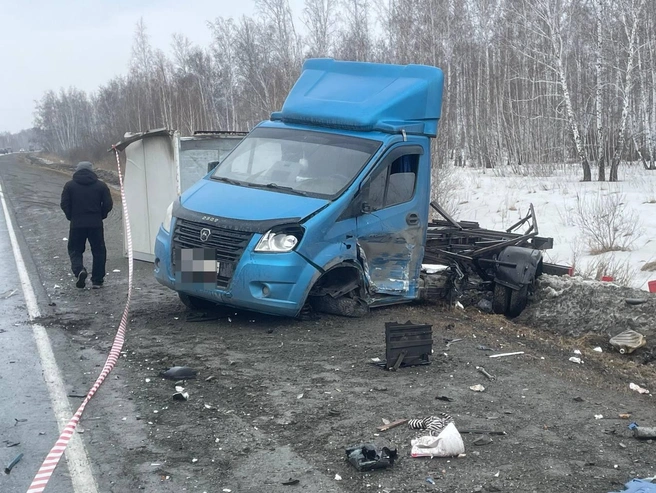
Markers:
point(326, 207)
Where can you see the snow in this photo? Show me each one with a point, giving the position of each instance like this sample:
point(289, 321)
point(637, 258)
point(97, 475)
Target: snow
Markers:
point(498, 198)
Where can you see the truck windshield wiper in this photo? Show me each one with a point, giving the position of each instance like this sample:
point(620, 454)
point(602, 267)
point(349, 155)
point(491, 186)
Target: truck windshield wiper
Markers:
point(227, 180)
point(275, 186)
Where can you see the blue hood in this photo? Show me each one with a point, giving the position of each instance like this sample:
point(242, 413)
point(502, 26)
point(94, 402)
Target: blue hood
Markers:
point(247, 203)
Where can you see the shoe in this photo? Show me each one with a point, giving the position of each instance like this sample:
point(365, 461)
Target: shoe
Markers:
point(81, 279)
point(96, 286)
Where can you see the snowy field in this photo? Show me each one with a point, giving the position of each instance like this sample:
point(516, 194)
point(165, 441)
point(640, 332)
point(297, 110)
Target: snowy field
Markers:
point(601, 228)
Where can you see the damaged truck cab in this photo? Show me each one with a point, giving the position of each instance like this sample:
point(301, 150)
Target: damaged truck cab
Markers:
point(325, 205)
point(327, 202)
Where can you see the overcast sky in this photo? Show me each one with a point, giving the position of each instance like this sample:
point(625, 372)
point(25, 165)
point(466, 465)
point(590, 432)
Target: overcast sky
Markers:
point(49, 44)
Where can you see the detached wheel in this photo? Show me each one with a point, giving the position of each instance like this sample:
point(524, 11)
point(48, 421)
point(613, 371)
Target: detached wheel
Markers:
point(501, 299)
point(518, 300)
point(195, 303)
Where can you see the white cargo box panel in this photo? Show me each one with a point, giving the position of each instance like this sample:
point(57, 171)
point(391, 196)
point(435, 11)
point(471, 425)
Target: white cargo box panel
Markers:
point(160, 165)
point(152, 182)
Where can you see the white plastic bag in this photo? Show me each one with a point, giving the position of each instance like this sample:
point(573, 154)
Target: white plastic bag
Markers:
point(447, 444)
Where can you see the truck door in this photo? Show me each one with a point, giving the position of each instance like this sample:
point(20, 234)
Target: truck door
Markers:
point(391, 223)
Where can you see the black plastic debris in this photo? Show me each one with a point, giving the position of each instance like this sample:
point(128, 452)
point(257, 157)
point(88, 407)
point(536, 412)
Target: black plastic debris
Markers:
point(11, 465)
point(635, 301)
point(407, 344)
point(444, 398)
point(201, 316)
point(368, 457)
point(290, 482)
point(179, 373)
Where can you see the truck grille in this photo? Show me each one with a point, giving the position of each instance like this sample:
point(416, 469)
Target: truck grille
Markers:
point(228, 243)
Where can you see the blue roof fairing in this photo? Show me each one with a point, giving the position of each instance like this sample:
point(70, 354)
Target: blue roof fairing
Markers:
point(366, 96)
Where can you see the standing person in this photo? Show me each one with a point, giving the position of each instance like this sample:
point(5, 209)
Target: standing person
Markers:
point(86, 201)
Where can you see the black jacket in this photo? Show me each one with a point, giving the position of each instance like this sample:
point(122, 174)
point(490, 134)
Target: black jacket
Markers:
point(86, 200)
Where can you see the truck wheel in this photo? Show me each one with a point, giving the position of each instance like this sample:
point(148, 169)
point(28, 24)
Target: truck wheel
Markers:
point(501, 299)
point(518, 300)
point(195, 303)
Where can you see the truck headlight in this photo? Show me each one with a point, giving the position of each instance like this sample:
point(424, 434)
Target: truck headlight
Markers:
point(166, 224)
point(279, 241)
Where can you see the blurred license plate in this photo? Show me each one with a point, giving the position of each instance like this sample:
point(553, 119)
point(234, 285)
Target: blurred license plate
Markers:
point(197, 265)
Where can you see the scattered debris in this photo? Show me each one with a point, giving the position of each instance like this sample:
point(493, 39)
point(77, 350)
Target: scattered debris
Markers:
point(201, 317)
point(179, 373)
point(447, 444)
point(430, 480)
point(576, 360)
point(624, 415)
point(598, 350)
point(482, 440)
point(477, 388)
point(407, 344)
point(642, 432)
point(8, 294)
point(599, 416)
point(481, 432)
point(368, 457)
point(338, 477)
point(506, 354)
point(637, 388)
point(628, 341)
point(181, 396)
point(485, 306)
point(635, 301)
point(435, 424)
point(482, 370)
point(578, 399)
point(77, 396)
point(12, 444)
point(459, 305)
point(210, 378)
point(11, 465)
point(290, 482)
point(484, 348)
point(393, 424)
point(299, 396)
point(448, 342)
point(19, 420)
point(386, 421)
point(576, 351)
point(116, 270)
point(444, 398)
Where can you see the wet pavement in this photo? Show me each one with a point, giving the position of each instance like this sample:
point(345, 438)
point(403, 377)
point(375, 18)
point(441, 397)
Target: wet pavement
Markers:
point(27, 420)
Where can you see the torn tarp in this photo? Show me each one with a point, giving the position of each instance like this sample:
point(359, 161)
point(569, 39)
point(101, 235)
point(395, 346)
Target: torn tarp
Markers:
point(368, 457)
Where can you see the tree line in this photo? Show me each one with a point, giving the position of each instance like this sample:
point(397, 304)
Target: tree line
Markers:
point(528, 83)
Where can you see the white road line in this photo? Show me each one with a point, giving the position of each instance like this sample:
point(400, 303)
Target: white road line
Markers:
point(76, 456)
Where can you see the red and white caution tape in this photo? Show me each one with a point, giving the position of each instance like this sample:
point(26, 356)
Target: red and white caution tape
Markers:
point(48, 467)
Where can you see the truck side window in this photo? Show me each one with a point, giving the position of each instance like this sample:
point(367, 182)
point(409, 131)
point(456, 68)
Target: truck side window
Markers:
point(395, 184)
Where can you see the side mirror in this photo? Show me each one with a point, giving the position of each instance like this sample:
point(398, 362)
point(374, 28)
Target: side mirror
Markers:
point(211, 165)
point(365, 208)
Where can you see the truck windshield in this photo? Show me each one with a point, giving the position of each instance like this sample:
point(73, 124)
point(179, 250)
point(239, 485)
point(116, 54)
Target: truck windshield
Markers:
point(297, 161)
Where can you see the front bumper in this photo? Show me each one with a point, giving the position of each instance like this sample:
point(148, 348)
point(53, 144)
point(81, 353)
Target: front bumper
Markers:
point(274, 283)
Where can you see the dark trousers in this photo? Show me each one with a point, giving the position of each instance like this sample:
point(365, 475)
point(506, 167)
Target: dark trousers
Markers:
point(77, 240)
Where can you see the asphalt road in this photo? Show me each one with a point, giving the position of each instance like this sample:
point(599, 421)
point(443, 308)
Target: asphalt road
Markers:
point(27, 421)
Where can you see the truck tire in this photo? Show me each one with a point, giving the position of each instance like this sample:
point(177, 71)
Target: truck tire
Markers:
point(517, 302)
point(195, 303)
point(501, 299)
